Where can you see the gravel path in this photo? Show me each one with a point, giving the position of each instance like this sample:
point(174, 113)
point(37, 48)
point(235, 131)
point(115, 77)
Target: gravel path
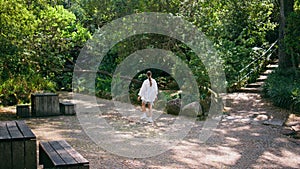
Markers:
point(241, 140)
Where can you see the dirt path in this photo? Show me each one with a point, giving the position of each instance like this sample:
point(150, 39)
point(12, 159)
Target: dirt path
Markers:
point(241, 140)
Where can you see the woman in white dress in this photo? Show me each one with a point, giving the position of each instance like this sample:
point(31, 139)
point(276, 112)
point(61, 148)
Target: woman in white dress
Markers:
point(148, 94)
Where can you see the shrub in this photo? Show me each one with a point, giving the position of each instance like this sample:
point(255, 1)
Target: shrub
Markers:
point(19, 89)
point(296, 100)
point(283, 88)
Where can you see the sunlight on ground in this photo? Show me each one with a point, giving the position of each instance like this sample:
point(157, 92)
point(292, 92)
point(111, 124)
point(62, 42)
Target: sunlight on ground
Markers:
point(240, 141)
point(281, 157)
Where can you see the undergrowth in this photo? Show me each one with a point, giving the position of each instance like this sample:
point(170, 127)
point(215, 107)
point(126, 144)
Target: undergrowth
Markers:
point(283, 88)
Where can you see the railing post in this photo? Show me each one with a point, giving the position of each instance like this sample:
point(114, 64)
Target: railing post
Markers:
point(262, 57)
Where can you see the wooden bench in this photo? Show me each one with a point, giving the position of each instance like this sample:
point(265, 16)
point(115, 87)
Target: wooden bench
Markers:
point(23, 110)
point(59, 154)
point(67, 108)
point(17, 146)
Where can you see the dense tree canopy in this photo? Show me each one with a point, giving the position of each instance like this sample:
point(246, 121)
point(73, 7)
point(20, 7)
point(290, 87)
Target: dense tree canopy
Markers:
point(235, 27)
point(283, 86)
point(41, 39)
point(36, 41)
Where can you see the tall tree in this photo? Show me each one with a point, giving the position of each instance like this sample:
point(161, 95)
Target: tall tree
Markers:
point(286, 7)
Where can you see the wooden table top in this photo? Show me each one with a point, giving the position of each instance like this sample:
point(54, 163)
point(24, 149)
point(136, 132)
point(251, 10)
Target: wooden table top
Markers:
point(15, 130)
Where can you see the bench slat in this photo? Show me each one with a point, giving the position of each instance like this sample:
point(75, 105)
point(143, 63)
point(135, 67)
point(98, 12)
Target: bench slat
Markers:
point(78, 157)
point(13, 130)
point(27, 133)
point(55, 158)
point(4, 134)
point(68, 159)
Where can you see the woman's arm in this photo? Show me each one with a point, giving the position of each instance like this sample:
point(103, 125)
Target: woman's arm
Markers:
point(156, 90)
point(142, 91)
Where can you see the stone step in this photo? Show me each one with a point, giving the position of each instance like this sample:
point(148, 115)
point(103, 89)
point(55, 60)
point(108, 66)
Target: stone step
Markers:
point(255, 85)
point(250, 90)
point(267, 72)
point(262, 78)
point(272, 66)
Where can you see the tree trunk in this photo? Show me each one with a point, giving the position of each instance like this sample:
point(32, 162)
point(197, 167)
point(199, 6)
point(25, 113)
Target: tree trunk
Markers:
point(285, 60)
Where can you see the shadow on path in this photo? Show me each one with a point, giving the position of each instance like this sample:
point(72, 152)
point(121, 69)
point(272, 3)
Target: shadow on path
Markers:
point(241, 140)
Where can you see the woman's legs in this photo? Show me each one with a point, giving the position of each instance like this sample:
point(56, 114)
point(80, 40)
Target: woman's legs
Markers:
point(143, 107)
point(149, 114)
point(144, 110)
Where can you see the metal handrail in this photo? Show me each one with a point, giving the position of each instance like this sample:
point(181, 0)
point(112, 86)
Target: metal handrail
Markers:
point(253, 62)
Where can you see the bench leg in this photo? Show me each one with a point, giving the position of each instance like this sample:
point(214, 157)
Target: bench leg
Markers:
point(30, 154)
point(44, 159)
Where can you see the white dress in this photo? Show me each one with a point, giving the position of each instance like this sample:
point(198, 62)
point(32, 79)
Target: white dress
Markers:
point(147, 93)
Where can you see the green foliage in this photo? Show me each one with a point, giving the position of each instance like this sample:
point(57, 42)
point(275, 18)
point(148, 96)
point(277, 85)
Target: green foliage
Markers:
point(103, 87)
point(94, 13)
point(292, 38)
point(41, 37)
point(37, 38)
point(282, 87)
point(235, 26)
point(17, 25)
point(296, 100)
point(19, 89)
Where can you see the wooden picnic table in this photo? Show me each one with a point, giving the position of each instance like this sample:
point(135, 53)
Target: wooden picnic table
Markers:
point(18, 148)
point(45, 104)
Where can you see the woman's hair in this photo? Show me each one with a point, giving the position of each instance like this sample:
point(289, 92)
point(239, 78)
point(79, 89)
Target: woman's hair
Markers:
point(149, 74)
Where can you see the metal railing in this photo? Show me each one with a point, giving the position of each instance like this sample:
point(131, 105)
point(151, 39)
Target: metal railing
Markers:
point(254, 66)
